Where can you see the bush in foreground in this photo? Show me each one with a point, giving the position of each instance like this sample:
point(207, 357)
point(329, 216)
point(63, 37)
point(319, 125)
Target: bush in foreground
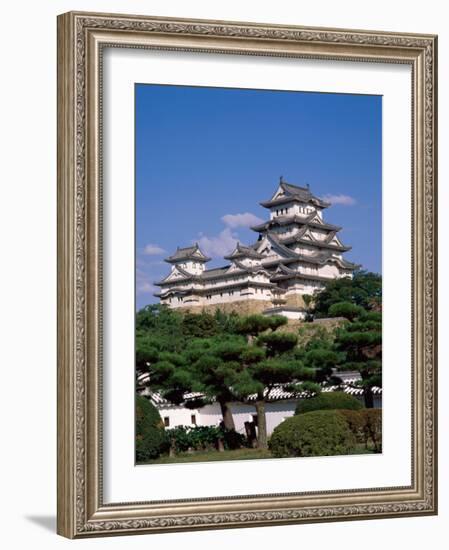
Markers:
point(328, 401)
point(204, 438)
point(318, 433)
point(151, 439)
point(366, 426)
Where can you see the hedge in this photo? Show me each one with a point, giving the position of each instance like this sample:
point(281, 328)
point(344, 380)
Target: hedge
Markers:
point(318, 433)
point(151, 439)
point(326, 401)
point(366, 425)
point(200, 438)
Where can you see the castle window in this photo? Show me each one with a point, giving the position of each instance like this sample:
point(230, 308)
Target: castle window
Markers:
point(193, 419)
point(166, 421)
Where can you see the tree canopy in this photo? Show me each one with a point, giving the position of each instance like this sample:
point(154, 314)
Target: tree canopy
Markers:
point(360, 342)
point(364, 289)
point(225, 358)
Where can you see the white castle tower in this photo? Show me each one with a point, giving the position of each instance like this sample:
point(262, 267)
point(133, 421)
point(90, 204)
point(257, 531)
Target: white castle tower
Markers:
point(295, 254)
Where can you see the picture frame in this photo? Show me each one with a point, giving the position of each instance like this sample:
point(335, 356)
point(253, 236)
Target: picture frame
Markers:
point(82, 40)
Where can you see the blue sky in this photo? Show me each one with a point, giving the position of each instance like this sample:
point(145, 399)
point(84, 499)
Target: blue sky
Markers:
point(206, 157)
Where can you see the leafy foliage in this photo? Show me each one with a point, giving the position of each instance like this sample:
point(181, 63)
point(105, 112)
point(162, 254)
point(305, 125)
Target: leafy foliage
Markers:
point(373, 427)
point(366, 425)
point(253, 325)
point(318, 433)
point(328, 401)
point(200, 438)
point(199, 326)
point(277, 343)
point(345, 309)
point(360, 340)
point(364, 289)
point(151, 439)
point(227, 357)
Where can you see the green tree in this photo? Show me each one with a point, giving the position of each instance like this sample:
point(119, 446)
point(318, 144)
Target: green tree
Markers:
point(360, 339)
point(268, 364)
point(199, 325)
point(215, 365)
point(253, 325)
point(163, 323)
point(346, 309)
point(151, 439)
point(364, 289)
point(328, 401)
point(318, 433)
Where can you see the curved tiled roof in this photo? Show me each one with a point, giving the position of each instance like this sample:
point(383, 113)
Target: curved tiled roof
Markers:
point(188, 253)
point(214, 273)
point(297, 238)
point(242, 251)
point(277, 393)
point(294, 193)
point(295, 220)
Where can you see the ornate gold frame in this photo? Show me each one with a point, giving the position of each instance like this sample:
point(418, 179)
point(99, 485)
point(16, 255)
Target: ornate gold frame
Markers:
point(81, 37)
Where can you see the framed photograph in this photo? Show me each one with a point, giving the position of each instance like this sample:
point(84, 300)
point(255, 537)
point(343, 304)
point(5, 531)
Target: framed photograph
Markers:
point(246, 274)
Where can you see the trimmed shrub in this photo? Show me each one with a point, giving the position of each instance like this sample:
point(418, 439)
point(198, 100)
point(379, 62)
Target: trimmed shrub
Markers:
point(347, 310)
point(356, 423)
point(366, 425)
point(326, 401)
point(203, 438)
point(373, 427)
point(151, 439)
point(318, 433)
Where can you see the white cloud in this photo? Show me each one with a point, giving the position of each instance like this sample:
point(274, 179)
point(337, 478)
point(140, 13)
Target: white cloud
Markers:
point(344, 200)
point(240, 220)
point(153, 250)
point(222, 244)
point(145, 288)
point(143, 283)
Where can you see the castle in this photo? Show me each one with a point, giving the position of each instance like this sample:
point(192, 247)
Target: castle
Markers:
point(295, 254)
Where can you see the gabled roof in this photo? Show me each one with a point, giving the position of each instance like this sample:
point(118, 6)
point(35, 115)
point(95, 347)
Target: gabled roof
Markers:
point(321, 257)
point(187, 253)
point(251, 269)
point(326, 243)
point(295, 220)
point(215, 273)
point(185, 276)
point(287, 192)
point(242, 251)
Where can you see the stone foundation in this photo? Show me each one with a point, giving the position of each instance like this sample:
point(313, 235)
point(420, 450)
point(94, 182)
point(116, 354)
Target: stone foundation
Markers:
point(241, 307)
point(294, 300)
point(244, 307)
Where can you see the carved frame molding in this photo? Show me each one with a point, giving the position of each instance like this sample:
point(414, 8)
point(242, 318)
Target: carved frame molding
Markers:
point(81, 39)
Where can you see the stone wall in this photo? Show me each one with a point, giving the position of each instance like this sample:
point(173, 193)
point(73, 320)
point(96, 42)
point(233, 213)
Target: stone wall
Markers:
point(241, 307)
point(294, 300)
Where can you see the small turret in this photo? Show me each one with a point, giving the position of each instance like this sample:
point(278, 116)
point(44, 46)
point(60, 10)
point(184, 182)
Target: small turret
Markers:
point(190, 259)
